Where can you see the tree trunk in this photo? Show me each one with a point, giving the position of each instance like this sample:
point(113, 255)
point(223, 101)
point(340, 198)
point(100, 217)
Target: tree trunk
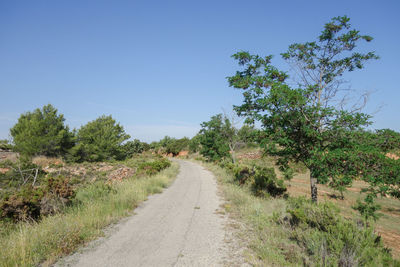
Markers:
point(232, 150)
point(314, 190)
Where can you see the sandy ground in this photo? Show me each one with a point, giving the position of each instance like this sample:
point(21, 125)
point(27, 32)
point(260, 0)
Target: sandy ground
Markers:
point(180, 227)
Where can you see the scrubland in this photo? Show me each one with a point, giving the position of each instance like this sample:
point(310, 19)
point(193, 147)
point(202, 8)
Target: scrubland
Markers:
point(288, 230)
point(97, 199)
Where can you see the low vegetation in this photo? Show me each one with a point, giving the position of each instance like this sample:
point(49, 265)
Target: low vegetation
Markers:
point(293, 231)
point(71, 205)
point(5, 145)
point(30, 191)
point(170, 146)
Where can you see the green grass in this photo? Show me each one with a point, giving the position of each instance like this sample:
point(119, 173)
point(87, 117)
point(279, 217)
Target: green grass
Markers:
point(43, 242)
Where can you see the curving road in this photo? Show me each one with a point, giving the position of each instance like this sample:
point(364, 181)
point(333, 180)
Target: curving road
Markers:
point(179, 227)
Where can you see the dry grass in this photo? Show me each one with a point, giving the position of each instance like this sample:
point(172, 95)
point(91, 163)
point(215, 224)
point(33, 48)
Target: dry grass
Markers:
point(31, 244)
point(43, 161)
point(265, 239)
point(7, 155)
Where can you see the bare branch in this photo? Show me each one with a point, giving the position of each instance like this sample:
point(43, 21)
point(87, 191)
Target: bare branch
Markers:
point(36, 174)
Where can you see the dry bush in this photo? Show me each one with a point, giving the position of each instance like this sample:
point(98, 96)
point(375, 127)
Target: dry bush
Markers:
point(44, 161)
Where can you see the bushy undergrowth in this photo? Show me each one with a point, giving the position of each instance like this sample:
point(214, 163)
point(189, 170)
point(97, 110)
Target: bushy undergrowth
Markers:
point(153, 167)
point(328, 239)
point(294, 231)
point(5, 144)
point(20, 173)
point(29, 193)
point(262, 180)
point(21, 205)
point(30, 202)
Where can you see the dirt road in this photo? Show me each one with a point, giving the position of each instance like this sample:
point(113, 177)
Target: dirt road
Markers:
point(179, 227)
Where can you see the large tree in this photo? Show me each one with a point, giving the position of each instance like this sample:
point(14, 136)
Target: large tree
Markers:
point(309, 122)
point(178, 145)
point(194, 143)
point(42, 132)
point(100, 140)
point(134, 147)
point(213, 138)
point(221, 137)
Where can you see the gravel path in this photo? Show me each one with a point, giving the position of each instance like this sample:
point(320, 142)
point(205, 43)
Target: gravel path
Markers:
point(180, 227)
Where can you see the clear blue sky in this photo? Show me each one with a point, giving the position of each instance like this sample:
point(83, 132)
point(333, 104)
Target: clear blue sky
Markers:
point(159, 67)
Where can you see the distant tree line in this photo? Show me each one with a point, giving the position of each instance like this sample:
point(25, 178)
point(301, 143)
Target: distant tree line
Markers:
point(218, 139)
point(170, 145)
point(43, 132)
point(5, 145)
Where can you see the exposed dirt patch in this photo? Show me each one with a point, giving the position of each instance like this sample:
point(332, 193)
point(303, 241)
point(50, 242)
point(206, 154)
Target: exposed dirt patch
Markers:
point(77, 170)
point(390, 239)
point(4, 170)
point(47, 161)
point(250, 155)
point(71, 170)
point(121, 173)
point(8, 155)
point(392, 156)
point(183, 153)
point(104, 167)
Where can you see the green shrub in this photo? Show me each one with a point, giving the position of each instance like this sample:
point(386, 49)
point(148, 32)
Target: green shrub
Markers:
point(59, 186)
point(262, 180)
point(194, 144)
point(331, 240)
point(133, 147)
point(242, 174)
point(21, 205)
point(177, 145)
point(227, 164)
point(151, 168)
point(29, 202)
point(304, 212)
point(368, 208)
point(266, 182)
point(5, 145)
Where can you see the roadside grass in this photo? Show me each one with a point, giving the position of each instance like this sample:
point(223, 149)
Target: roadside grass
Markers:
point(266, 239)
point(97, 206)
point(388, 225)
point(272, 241)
